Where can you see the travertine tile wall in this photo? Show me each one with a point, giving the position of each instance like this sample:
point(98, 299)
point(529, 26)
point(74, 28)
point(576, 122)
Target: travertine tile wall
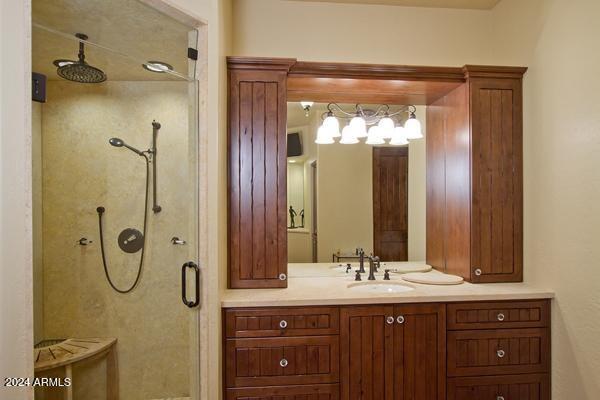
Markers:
point(81, 171)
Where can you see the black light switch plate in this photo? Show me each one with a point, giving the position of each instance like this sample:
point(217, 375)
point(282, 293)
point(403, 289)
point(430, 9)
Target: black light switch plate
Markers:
point(38, 87)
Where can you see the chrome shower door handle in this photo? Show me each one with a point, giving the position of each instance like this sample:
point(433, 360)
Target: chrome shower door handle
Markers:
point(184, 268)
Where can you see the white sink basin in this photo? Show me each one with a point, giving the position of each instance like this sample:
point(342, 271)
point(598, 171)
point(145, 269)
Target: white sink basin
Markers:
point(380, 287)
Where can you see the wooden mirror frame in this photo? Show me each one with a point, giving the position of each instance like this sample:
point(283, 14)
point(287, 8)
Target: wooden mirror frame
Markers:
point(472, 112)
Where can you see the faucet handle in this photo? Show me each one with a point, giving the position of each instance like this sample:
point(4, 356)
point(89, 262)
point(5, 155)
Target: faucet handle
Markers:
point(348, 267)
point(386, 275)
point(357, 276)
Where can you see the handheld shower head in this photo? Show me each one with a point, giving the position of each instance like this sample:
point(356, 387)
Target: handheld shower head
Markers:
point(116, 142)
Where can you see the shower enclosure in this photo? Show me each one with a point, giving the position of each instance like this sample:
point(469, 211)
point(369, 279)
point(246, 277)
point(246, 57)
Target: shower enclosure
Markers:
point(115, 226)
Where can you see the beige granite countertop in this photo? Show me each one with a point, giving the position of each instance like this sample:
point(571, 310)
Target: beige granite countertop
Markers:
point(329, 287)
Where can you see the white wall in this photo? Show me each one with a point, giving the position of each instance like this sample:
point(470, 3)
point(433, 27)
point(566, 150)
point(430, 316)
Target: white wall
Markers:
point(558, 41)
point(16, 307)
point(417, 193)
point(361, 33)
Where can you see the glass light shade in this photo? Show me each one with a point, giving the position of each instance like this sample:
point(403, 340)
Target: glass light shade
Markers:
point(399, 137)
point(323, 136)
point(332, 126)
point(348, 136)
point(412, 128)
point(358, 126)
point(374, 136)
point(386, 127)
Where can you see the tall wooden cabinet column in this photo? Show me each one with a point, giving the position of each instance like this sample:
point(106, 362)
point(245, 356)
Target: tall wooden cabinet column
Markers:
point(475, 177)
point(257, 172)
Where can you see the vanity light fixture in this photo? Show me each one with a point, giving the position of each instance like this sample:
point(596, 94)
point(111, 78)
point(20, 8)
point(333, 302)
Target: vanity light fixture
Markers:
point(157, 66)
point(399, 137)
point(413, 126)
point(331, 125)
point(323, 137)
point(306, 105)
point(358, 126)
point(386, 127)
point(377, 125)
point(348, 136)
point(374, 136)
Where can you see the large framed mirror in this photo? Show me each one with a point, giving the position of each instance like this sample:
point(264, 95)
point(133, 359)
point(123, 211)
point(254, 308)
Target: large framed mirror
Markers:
point(345, 195)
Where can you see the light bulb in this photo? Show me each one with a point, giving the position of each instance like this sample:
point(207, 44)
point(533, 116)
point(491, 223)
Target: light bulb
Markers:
point(348, 136)
point(332, 126)
point(359, 127)
point(386, 127)
point(399, 137)
point(323, 136)
point(413, 127)
point(374, 136)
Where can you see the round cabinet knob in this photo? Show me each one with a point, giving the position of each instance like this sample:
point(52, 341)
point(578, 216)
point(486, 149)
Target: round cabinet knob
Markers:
point(400, 319)
point(283, 324)
point(282, 277)
point(500, 317)
point(389, 320)
point(283, 363)
point(478, 271)
point(499, 397)
point(500, 353)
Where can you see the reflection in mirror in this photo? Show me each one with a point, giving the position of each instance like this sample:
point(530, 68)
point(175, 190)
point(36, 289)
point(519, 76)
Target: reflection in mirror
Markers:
point(355, 193)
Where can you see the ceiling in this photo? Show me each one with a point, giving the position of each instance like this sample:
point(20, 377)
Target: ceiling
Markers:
point(463, 4)
point(133, 31)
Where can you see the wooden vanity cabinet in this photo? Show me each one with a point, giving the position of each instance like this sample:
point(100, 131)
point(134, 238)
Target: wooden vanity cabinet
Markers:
point(475, 177)
point(498, 350)
point(393, 352)
point(508, 387)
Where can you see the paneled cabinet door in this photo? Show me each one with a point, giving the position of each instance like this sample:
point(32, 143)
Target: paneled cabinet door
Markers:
point(392, 353)
point(497, 187)
point(367, 353)
point(257, 179)
point(419, 356)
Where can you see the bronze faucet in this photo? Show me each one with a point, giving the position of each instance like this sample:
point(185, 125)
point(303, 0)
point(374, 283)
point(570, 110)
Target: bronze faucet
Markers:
point(361, 261)
point(373, 261)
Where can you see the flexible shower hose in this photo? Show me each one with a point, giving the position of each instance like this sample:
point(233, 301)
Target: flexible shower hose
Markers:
point(100, 211)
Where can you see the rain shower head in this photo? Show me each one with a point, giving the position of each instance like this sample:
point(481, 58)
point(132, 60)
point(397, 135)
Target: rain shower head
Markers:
point(116, 142)
point(80, 71)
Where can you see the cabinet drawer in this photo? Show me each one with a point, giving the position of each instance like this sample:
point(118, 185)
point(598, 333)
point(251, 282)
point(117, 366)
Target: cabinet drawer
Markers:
point(305, 392)
point(497, 352)
point(493, 315)
point(282, 361)
point(508, 387)
point(265, 322)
